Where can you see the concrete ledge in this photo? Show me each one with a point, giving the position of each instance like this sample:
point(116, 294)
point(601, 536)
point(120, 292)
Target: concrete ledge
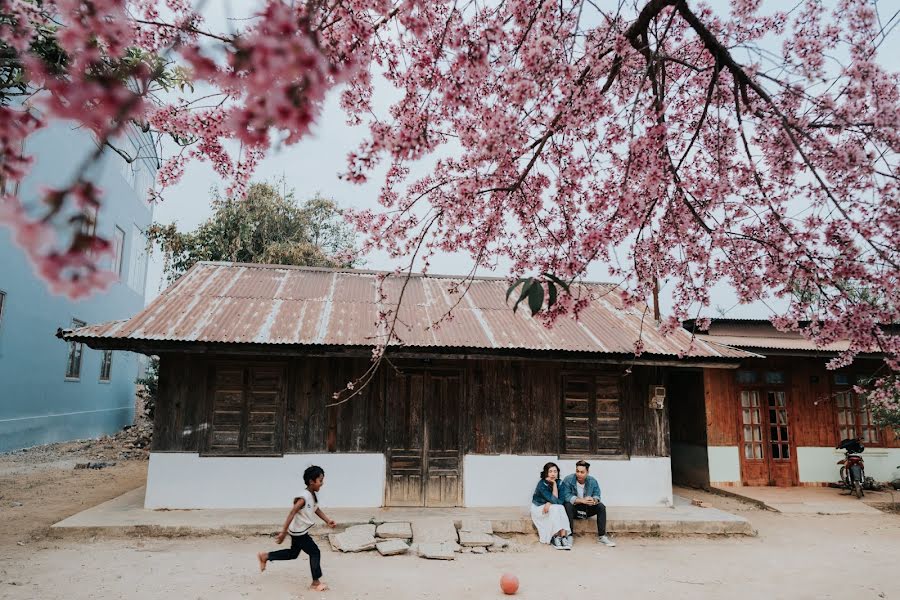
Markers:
point(125, 516)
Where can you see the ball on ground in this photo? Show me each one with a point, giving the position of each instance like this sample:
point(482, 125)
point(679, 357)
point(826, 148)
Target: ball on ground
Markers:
point(509, 583)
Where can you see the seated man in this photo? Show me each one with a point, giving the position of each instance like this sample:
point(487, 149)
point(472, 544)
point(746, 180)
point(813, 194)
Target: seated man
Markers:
point(581, 494)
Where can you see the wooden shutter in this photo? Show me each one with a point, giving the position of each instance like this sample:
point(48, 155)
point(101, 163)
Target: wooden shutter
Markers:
point(591, 415)
point(247, 410)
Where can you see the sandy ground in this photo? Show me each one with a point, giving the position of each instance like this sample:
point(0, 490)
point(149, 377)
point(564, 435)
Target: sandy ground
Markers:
point(795, 556)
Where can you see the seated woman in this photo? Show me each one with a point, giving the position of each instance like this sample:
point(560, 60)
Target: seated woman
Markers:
point(548, 511)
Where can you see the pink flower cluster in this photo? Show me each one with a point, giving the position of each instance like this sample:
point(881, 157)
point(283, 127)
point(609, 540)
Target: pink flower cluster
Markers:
point(660, 137)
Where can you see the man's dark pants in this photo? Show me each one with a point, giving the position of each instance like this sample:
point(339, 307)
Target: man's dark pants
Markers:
point(586, 511)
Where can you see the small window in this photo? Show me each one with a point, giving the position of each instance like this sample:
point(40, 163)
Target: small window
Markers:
point(118, 250)
point(76, 349)
point(747, 377)
point(843, 379)
point(106, 365)
point(775, 377)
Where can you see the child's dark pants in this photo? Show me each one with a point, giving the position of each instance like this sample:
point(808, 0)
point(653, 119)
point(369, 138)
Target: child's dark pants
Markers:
point(306, 544)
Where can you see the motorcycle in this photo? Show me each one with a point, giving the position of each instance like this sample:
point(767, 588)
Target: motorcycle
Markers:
point(853, 471)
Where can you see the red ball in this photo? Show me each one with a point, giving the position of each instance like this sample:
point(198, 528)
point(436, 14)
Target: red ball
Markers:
point(509, 583)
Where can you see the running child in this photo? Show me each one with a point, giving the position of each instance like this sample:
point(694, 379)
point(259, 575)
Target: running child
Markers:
point(299, 522)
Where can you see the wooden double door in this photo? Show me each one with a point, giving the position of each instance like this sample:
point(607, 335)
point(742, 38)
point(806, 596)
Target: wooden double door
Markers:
point(424, 450)
point(767, 444)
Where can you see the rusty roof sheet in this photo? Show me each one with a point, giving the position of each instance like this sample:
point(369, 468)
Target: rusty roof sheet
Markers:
point(775, 342)
point(272, 304)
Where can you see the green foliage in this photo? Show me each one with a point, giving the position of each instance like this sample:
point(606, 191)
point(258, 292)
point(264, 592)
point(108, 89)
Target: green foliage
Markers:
point(266, 226)
point(149, 390)
point(161, 74)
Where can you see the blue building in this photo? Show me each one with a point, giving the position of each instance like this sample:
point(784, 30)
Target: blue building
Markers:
point(51, 390)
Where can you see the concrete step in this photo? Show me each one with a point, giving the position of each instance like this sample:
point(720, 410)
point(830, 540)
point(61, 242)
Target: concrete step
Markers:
point(125, 516)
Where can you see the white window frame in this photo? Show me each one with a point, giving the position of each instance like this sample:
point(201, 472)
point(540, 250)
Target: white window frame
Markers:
point(73, 346)
point(118, 251)
point(106, 363)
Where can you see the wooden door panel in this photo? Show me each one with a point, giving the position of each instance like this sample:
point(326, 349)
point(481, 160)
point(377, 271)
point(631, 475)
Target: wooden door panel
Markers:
point(767, 446)
point(247, 410)
point(443, 478)
point(405, 486)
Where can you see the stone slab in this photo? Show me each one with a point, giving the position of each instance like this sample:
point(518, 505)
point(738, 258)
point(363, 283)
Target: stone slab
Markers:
point(394, 530)
point(358, 538)
point(469, 538)
point(434, 531)
point(476, 526)
point(479, 550)
point(437, 551)
point(391, 547)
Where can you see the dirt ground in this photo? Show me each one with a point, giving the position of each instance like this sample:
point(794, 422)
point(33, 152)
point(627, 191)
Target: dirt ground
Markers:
point(794, 556)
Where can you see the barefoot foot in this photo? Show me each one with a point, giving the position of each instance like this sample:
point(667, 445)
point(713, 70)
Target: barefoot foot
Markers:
point(318, 586)
point(262, 557)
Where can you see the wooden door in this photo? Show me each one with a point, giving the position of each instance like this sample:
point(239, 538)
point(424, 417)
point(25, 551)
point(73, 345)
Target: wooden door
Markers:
point(423, 440)
point(442, 436)
point(767, 448)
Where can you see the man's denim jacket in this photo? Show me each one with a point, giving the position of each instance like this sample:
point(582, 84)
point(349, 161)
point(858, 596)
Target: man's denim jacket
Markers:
point(568, 492)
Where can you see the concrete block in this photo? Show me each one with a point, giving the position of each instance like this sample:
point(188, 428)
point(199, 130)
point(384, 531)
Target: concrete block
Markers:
point(476, 526)
point(434, 530)
point(437, 551)
point(468, 538)
point(391, 547)
point(394, 530)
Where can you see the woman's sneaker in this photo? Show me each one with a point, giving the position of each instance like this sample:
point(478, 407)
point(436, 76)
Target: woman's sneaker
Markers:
point(568, 541)
point(558, 544)
point(604, 539)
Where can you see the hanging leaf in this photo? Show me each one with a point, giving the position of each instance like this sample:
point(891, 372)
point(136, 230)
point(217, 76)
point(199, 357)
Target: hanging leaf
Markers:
point(535, 298)
point(551, 294)
point(557, 280)
point(509, 290)
point(526, 287)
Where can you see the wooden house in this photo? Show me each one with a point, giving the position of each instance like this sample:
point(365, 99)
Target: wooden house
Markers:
point(776, 419)
point(461, 414)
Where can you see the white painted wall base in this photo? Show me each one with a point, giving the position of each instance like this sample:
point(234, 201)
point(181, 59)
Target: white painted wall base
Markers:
point(820, 464)
point(509, 480)
point(187, 480)
point(724, 464)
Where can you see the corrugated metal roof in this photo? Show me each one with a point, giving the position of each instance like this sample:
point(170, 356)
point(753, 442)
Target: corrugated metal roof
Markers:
point(271, 304)
point(774, 342)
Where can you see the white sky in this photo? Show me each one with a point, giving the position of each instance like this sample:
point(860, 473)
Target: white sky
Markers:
point(314, 164)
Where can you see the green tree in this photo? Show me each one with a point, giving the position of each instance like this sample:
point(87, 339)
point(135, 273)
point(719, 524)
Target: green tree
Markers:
point(266, 226)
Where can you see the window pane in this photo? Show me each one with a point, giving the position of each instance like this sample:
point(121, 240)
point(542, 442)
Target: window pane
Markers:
point(118, 250)
point(776, 451)
point(747, 377)
point(757, 449)
point(106, 365)
point(775, 377)
point(842, 379)
point(73, 360)
point(785, 451)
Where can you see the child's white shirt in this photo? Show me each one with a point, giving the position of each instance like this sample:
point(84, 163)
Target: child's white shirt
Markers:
point(305, 518)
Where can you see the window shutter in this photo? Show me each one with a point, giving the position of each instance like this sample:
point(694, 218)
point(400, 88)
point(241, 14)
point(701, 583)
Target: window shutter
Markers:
point(591, 415)
point(247, 407)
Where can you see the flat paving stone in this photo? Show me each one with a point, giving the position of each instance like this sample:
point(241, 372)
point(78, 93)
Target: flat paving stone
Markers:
point(434, 530)
point(358, 538)
point(392, 547)
point(476, 526)
point(469, 538)
point(394, 530)
point(437, 551)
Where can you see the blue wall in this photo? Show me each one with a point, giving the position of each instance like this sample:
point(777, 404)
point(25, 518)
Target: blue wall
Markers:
point(37, 404)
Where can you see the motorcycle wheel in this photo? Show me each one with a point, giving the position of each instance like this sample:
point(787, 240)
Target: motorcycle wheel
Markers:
point(857, 489)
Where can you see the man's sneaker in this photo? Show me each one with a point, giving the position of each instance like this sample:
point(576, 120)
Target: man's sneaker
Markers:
point(604, 539)
point(568, 541)
point(558, 544)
